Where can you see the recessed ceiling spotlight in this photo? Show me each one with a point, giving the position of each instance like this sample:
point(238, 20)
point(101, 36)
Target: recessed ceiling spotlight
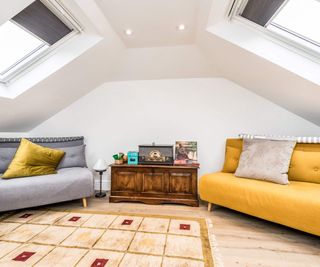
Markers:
point(181, 27)
point(128, 32)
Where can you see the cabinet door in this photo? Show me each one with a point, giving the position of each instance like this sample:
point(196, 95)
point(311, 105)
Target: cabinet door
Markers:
point(124, 180)
point(153, 181)
point(182, 182)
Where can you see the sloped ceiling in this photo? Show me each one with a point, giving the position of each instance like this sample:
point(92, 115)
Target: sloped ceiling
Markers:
point(156, 50)
point(285, 88)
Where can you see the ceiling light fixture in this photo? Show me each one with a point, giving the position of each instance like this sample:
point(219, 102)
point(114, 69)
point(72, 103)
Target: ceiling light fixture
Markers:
point(128, 32)
point(181, 27)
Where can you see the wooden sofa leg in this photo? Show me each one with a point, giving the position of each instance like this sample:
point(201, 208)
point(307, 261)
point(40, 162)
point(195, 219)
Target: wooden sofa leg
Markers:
point(84, 202)
point(209, 206)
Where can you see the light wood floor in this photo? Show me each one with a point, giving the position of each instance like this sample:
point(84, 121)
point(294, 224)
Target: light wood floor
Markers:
point(242, 240)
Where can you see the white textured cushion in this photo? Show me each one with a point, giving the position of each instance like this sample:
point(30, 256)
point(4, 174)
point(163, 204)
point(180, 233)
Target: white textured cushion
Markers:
point(265, 160)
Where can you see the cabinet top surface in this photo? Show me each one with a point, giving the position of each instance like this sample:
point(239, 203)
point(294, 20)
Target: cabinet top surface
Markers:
point(155, 166)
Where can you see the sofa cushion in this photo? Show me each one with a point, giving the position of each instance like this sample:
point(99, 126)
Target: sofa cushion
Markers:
point(296, 205)
point(237, 144)
point(6, 156)
point(74, 157)
point(8, 146)
point(265, 160)
point(32, 159)
point(232, 155)
point(67, 184)
point(231, 161)
point(305, 166)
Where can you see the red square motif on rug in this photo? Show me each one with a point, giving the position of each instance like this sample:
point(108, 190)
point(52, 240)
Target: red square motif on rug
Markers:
point(127, 222)
point(24, 256)
point(26, 215)
point(99, 263)
point(184, 226)
point(74, 219)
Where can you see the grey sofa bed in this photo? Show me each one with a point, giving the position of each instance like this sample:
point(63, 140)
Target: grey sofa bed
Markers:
point(68, 184)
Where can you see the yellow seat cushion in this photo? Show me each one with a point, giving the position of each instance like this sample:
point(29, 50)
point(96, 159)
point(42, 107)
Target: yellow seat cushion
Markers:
point(232, 155)
point(32, 159)
point(296, 205)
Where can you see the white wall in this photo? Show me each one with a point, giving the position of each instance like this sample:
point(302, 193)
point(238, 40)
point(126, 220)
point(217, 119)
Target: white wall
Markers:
point(13, 134)
point(118, 116)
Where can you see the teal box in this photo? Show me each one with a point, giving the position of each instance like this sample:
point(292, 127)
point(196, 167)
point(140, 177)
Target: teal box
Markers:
point(133, 158)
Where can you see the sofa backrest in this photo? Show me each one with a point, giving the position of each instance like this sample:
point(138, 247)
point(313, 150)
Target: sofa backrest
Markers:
point(304, 165)
point(8, 146)
point(52, 142)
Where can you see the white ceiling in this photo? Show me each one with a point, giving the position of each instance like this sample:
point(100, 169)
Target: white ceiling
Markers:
point(153, 22)
point(156, 50)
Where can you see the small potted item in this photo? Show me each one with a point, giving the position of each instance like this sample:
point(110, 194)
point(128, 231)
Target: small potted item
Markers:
point(118, 158)
point(125, 158)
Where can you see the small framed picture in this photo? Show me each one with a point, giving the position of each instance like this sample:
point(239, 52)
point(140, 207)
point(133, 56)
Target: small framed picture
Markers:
point(186, 153)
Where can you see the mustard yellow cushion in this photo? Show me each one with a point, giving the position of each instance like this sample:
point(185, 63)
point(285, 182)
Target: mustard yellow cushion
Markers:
point(300, 161)
point(232, 155)
point(32, 159)
point(305, 166)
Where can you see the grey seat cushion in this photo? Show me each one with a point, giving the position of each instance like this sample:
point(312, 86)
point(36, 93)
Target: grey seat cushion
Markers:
point(74, 157)
point(67, 184)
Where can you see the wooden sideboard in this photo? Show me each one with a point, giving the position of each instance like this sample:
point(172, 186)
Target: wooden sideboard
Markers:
point(154, 184)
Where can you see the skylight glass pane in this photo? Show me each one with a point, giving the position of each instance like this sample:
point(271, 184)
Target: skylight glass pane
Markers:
point(15, 44)
point(301, 17)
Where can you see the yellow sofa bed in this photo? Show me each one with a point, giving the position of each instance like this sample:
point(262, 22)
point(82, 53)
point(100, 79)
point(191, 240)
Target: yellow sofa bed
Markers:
point(296, 205)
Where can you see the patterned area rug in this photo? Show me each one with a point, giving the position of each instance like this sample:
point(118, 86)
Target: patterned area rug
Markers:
point(98, 239)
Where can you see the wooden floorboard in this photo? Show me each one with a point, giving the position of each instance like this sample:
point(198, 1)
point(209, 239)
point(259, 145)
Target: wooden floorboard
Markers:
point(242, 240)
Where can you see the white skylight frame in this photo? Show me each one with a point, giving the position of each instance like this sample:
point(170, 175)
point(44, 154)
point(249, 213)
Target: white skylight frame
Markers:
point(278, 34)
point(27, 62)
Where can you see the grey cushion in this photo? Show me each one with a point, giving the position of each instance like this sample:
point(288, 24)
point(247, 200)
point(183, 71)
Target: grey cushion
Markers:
point(67, 184)
point(6, 156)
point(265, 160)
point(74, 157)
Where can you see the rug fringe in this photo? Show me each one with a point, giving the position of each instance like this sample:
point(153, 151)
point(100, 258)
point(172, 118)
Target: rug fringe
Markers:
point(216, 255)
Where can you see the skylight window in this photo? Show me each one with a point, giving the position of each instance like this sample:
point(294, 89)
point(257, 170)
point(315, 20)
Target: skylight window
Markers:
point(11, 49)
point(301, 18)
point(296, 22)
point(30, 35)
